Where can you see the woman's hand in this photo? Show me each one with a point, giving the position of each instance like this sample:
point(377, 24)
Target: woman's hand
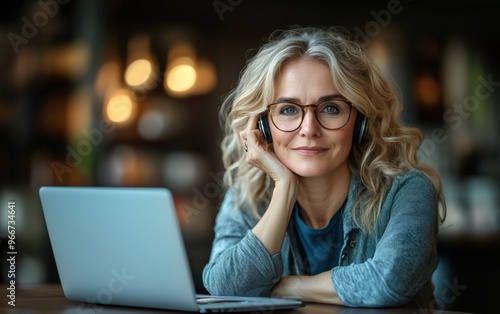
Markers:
point(318, 288)
point(259, 154)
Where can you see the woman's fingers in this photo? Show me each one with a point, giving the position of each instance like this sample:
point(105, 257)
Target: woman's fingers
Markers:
point(258, 154)
point(250, 136)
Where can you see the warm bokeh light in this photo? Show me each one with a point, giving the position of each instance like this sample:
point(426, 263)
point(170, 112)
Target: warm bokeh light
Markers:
point(181, 77)
point(121, 106)
point(138, 72)
point(187, 74)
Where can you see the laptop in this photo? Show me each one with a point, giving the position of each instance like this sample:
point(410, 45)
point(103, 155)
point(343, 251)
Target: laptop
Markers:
point(124, 246)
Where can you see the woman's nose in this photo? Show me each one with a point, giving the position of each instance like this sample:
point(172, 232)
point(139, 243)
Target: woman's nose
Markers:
point(310, 126)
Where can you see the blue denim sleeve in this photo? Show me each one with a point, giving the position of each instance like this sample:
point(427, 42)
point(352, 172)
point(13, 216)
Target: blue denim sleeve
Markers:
point(405, 256)
point(239, 263)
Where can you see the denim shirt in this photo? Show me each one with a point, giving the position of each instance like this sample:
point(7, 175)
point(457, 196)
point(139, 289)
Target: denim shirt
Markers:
point(390, 267)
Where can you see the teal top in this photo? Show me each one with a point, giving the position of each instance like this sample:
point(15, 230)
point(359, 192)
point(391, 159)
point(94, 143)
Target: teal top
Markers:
point(390, 267)
point(320, 248)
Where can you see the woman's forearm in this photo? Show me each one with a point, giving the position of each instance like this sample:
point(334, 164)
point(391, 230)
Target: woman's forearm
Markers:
point(318, 288)
point(245, 269)
point(271, 228)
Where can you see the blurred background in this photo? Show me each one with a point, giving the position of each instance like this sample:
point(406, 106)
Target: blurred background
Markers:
point(126, 93)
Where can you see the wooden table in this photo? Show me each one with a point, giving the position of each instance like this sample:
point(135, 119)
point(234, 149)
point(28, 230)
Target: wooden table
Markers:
point(50, 299)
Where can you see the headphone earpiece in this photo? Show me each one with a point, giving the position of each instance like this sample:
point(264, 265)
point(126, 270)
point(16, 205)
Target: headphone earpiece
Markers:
point(359, 128)
point(265, 130)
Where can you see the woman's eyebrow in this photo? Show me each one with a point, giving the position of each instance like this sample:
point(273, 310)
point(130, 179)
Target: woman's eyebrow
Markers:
point(334, 96)
point(288, 99)
point(321, 99)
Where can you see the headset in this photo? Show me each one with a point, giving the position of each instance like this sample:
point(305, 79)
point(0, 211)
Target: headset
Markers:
point(357, 136)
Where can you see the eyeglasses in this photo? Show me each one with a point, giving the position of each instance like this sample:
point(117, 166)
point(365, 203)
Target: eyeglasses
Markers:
point(331, 114)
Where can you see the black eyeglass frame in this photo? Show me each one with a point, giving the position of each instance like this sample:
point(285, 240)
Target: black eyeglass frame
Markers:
point(303, 107)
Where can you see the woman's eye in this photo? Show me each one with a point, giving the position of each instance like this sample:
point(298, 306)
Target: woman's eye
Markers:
point(288, 110)
point(330, 109)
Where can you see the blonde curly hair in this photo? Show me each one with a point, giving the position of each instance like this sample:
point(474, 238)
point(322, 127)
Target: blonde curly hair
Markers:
point(389, 148)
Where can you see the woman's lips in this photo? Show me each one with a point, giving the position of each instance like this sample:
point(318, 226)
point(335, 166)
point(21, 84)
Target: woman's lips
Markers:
point(309, 150)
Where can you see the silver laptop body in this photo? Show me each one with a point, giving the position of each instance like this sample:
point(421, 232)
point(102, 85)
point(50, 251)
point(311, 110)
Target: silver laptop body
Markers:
point(124, 246)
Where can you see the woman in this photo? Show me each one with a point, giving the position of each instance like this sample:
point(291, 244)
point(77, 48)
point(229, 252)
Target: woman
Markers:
point(324, 204)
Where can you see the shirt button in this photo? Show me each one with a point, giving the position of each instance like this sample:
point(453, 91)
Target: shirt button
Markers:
point(352, 243)
point(343, 256)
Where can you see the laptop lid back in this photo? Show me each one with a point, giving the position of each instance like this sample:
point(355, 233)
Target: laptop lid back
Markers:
point(120, 246)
